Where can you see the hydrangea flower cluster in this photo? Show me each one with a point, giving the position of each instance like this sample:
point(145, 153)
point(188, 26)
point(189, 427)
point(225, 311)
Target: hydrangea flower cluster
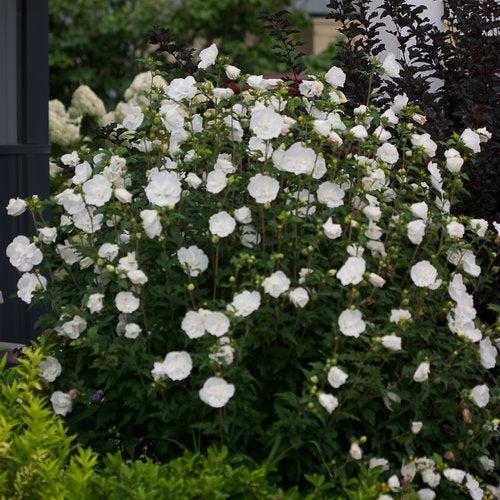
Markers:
point(254, 245)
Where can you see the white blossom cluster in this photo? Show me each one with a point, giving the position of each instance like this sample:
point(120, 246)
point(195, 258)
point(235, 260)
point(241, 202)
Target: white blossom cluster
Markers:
point(308, 203)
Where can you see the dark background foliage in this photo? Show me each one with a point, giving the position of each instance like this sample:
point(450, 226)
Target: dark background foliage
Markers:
point(100, 42)
point(464, 57)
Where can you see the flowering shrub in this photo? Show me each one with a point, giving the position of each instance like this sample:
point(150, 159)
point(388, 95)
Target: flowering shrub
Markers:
point(248, 263)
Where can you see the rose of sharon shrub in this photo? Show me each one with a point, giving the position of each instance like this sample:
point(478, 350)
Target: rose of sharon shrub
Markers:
point(259, 267)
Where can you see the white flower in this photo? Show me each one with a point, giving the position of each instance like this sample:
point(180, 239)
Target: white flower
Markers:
point(416, 231)
point(224, 164)
point(266, 124)
point(378, 462)
point(480, 395)
point(335, 77)
point(351, 273)
point(68, 253)
point(72, 328)
point(426, 494)
point(137, 277)
point(351, 323)
point(193, 260)
point(390, 66)
point(359, 131)
point(424, 274)
point(216, 181)
point(263, 188)
point(164, 189)
point(479, 226)
point(416, 427)
point(475, 491)
point(108, 251)
point(422, 372)
point(332, 231)
point(126, 302)
point(62, 403)
point(430, 477)
point(261, 83)
point(455, 475)
point(216, 392)
point(132, 331)
point(50, 369)
point(420, 210)
point(132, 116)
point(336, 377)
point(16, 207)
point(488, 353)
point(216, 323)
point(311, 88)
point(276, 284)
point(472, 140)
point(355, 451)
point(71, 201)
point(454, 161)
point(171, 116)
point(373, 213)
point(245, 303)
point(388, 153)
point(243, 215)
point(29, 283)
point(70, 159)
point(393, 483)
point(297, 159)
point(391, 342)
point(97, 191)
point(95, 302)
point(256, 145)
point(299, 297)
point(328, 402)
point(47, 234)
point(330, 194)
point(122, 195)
point(178, 365)
point(192, 180)
point(232, 72)
point(23, 254)
point(221, 224)
point(208, 56)
point(193, 324)
point(87, 220)
point(424, 141)
point(224, 353)
point(384, 135)
point(151, 223)
point(399, 315)
point(455, 230)
point(486, 463)
point(182, 88)
point(376, 280)
point(399, 102)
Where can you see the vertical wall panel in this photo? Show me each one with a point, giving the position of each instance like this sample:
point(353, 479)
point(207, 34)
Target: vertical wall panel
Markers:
point(8, 72)
point(24, 149)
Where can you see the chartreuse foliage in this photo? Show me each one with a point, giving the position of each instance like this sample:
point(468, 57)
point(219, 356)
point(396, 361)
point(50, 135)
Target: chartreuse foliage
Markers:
point(39, 460)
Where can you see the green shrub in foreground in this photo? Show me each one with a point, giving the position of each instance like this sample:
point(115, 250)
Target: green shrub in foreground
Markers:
point(39, 460)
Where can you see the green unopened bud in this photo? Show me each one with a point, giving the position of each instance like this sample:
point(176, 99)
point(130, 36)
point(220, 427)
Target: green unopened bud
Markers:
point(110, 268)
point(100, 262)
point(314, 379)
point(215, 240)
point(191, 287)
